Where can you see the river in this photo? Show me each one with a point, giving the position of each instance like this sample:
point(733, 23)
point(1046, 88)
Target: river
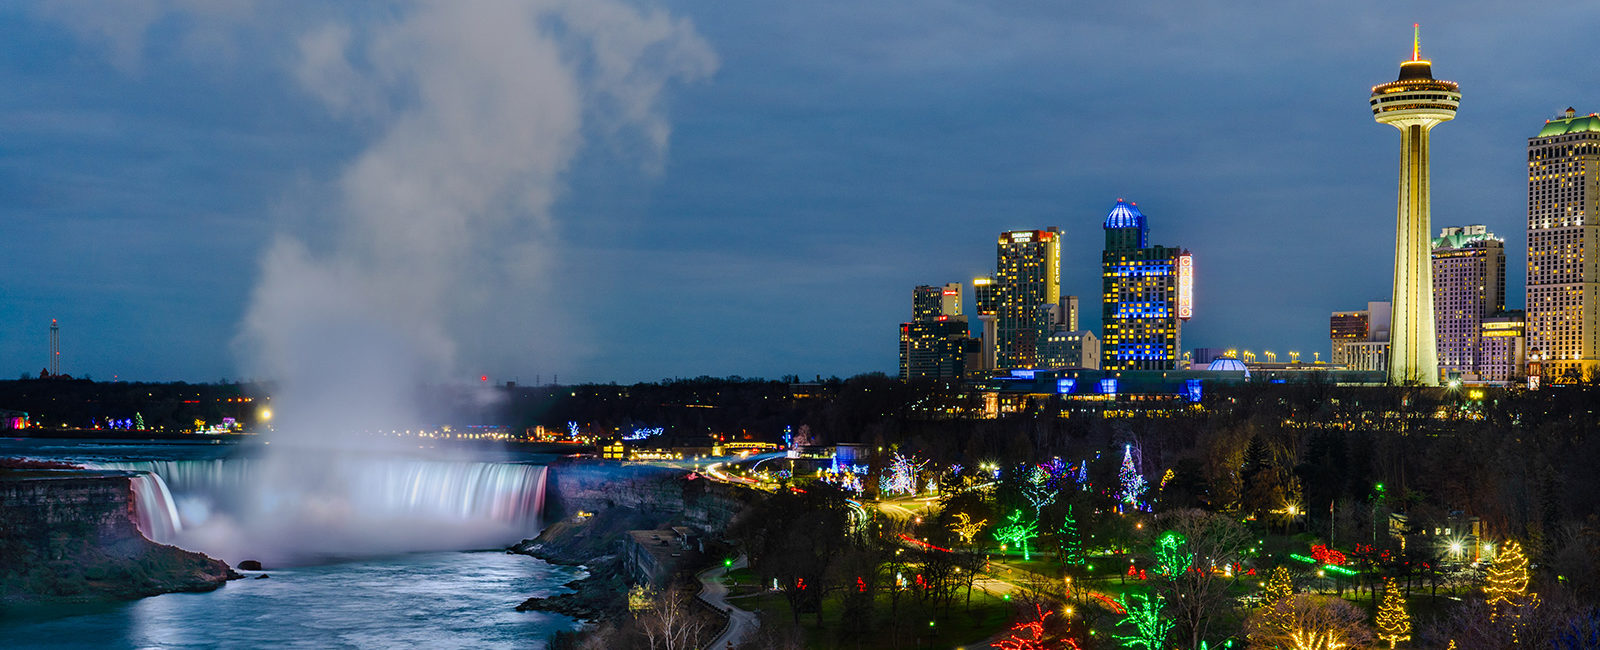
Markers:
point(449, 599)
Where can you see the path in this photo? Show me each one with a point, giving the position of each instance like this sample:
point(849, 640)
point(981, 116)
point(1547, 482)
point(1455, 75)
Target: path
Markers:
point(741, 623)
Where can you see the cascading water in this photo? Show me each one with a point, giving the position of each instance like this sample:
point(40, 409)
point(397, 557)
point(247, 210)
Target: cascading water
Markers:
point(156, 513)
point(311, 507)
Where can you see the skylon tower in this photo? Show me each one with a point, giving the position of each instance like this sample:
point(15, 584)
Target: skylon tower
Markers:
point(1414, 103)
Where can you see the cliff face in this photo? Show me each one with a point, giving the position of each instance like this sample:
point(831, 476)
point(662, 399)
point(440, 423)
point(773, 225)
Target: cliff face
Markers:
point(70, 535)
point(596, 486)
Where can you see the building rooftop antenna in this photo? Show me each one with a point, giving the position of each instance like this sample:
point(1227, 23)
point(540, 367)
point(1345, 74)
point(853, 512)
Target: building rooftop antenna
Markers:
point(1416, 41)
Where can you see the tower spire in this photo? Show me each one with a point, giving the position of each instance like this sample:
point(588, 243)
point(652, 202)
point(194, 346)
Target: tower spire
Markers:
point(1416, 41)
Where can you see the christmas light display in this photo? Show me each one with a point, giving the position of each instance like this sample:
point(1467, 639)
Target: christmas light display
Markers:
point(1144, 614)
point(901, 475)
point(1133, 485)
point(1275, 599)
point(1394, 624)
point(1507, 583)
point(1071, 541)
point(1018, 532)
point(965, 528)
point(1028, 635)
point(1038, 491)
point(1170, 558)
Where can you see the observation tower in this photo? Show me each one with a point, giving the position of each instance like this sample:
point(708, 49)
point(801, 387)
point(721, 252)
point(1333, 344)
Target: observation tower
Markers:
point(1414, 103)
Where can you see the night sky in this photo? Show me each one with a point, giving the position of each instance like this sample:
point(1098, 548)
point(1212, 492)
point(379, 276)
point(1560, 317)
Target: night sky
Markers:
point(715, 188)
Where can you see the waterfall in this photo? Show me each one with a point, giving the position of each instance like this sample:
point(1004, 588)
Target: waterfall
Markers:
point(155, 511)
point(301, 507)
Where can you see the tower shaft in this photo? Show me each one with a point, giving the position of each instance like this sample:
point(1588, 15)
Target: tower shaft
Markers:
point(1413, 351)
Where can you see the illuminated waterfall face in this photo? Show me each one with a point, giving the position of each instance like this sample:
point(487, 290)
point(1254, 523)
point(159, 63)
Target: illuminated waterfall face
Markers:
point(303, 508)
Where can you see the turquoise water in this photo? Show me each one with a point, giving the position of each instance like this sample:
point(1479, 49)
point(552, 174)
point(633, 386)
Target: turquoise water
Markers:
point(429, 600)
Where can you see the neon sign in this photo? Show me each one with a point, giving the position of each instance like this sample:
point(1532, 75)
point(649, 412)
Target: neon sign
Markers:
point(1185, 286)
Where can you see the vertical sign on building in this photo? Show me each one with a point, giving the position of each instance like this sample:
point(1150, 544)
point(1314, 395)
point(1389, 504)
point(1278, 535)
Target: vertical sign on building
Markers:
point(1185, 286)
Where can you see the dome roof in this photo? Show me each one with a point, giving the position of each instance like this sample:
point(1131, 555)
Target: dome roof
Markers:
point(1227, 364)
point(1125, 215)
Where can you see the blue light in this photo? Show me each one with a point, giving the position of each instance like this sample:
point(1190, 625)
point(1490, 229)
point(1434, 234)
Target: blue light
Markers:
point(1108, 386)
point(1064, 386)
point(1192, 386)
point(1022, 373)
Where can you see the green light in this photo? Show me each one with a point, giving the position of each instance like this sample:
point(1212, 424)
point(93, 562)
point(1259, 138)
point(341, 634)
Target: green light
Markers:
point(1338, 569)
point(930, 623)
point(1301, 558)
point(727, 561)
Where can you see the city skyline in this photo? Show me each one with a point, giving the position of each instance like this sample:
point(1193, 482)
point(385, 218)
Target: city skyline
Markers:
point(148, 171)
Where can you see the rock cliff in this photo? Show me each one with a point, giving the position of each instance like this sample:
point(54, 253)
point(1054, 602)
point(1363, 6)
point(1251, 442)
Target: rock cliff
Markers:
point(69, 535)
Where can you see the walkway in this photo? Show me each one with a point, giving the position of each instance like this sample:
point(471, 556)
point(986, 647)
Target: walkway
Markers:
point(741, 623)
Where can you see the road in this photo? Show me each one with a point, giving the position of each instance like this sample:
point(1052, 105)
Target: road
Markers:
point(741, 623)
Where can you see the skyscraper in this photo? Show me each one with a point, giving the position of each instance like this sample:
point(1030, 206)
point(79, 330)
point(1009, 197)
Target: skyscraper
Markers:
point(1500, 353)
point(1028, 276)
point(1146, 294)
point(1469, 285)
point(1414, 103)
point(1360, 338)
point(932, 345)
point(1563, 315)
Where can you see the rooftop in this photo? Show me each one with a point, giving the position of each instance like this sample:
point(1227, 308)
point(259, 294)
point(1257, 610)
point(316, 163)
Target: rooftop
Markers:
point(1125, 215)
point(1570, 124)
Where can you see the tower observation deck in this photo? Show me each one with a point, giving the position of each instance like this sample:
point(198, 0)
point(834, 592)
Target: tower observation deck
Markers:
point(1414, 103)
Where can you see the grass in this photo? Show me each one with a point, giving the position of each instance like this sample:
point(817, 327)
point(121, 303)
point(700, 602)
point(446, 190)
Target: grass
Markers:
point(906, 627)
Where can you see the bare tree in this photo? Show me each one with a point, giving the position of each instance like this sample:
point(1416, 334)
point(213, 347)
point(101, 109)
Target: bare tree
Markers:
point(671, 623)
point(1197, 589)
point(1312, 623)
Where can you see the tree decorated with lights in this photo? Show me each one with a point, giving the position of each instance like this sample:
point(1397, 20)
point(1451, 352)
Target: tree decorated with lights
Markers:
point(1070, 541)
point(1038, 490)
point(1133, 485)
point(1018, 532)
point(1274, 616)
point(1027, 634)
point(1394, 624)
point(1507, 584)
point(967, 529)
point(1170, 556)
point(1150, 630)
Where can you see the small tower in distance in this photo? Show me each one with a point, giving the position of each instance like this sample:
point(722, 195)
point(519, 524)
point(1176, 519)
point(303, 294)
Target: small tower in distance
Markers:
point(55, 348)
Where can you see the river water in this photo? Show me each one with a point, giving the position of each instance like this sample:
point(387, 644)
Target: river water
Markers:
point(451, 599)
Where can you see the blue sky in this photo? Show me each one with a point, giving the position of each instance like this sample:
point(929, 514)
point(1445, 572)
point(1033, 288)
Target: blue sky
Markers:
point(816, 161)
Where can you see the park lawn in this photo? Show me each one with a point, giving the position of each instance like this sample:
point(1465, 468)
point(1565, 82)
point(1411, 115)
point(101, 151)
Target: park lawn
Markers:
point(988, 616)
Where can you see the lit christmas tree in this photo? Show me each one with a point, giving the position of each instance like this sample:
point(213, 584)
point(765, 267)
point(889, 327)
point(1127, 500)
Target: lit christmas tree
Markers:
point(1274, 600)
point(1133, 485)
point(1508, 578)
point(1071, 541)
point(1394, 624)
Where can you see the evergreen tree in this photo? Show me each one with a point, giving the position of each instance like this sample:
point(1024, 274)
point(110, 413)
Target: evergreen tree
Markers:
point(1508, 578)
point(1133, 485)
point(1070, 541)
point(1275, 597)
point(1394, 624)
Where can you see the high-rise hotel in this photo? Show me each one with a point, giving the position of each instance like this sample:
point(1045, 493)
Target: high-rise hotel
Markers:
point(1027, 277)
point(1563, 315)
point(1146, 294)
point(933, 345)
point(1469, 285)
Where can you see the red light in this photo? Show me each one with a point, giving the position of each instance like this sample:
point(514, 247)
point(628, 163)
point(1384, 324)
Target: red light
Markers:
point(950, 292)
point(484, 378)
point(943, 318)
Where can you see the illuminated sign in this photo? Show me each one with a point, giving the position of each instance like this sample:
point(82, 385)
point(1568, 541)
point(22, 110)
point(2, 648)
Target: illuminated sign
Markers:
point(950, 292)
point(1022, 373)
point(1185, 286)
point(1064, 386)
point(1020, 237)
point(1193, 390)
point(1108, 386)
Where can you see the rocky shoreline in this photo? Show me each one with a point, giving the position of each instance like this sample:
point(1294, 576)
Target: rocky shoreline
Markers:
point(589, 541)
